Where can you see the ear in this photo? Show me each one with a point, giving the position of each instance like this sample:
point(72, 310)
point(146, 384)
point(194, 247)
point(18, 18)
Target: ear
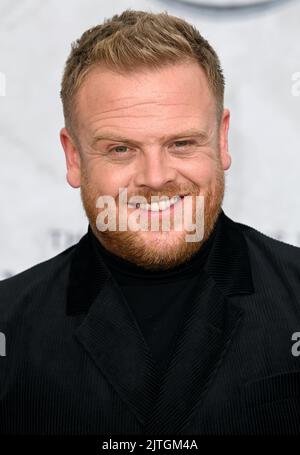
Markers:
point(223, 140)
point(72, 156)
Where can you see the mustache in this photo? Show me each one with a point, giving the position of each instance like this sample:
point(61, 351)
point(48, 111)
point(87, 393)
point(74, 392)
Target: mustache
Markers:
point(168, 193)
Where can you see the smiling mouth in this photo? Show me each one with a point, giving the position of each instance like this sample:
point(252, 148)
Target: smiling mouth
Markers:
point(158, 206)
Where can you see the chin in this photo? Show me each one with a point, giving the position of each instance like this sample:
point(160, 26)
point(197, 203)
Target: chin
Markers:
point(161, 236)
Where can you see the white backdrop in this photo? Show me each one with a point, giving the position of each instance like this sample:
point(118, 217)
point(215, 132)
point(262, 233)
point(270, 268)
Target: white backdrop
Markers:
point(260, 53)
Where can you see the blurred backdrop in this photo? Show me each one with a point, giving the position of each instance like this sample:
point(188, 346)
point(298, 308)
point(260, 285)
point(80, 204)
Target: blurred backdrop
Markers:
point(258, 43)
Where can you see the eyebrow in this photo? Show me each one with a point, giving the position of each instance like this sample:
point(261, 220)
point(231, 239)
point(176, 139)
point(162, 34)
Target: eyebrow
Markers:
point(110, 136)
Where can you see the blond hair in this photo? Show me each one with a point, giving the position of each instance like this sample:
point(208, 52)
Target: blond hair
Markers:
point(138, 40)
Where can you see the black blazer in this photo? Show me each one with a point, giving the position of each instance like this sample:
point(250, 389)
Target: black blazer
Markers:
point(77, 363)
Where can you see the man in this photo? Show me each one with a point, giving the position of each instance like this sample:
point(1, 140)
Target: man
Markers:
point(150, 331)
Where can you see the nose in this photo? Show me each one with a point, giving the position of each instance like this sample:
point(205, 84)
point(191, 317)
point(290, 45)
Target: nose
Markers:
point(154, 170)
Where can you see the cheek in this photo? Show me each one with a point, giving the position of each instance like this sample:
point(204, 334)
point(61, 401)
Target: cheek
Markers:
point(104, 182)
point(202, 171)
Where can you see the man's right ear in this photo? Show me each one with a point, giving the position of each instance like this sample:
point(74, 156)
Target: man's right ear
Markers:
point(72, 158)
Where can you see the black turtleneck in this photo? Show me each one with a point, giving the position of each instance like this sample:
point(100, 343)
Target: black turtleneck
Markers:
point(158, 300)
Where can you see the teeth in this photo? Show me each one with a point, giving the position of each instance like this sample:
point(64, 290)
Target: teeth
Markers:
point(156, 206)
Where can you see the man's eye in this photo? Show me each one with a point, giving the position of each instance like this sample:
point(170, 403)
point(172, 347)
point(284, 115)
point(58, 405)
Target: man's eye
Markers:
point(182, 143)
point(118, 147)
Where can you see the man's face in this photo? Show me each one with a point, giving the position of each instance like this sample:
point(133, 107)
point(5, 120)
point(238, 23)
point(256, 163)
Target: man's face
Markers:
point(154, 133)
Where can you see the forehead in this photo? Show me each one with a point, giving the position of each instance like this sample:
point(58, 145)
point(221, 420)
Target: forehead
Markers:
point(107, 98)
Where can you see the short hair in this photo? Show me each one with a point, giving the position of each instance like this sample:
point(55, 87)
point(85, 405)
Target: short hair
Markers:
point(136, 40)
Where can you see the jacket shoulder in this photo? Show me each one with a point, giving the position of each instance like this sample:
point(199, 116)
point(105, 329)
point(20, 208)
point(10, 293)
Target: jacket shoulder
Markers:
point(265, 249)
point(34, 282)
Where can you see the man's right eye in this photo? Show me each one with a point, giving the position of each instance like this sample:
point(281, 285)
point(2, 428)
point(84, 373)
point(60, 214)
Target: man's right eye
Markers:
point(117, 149)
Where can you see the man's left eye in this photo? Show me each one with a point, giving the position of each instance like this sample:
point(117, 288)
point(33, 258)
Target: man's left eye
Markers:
point(116, 149)
point(183, 143)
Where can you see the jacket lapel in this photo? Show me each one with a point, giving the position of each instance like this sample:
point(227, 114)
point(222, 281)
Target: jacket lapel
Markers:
point(201, 347)
point(110, 335)
point(112, 338)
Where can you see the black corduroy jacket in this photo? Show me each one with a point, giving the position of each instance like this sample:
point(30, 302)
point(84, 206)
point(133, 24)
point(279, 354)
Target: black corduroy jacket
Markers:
point(76, 361)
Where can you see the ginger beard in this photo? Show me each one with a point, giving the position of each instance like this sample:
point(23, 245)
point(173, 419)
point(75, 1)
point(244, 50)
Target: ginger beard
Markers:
point(156, 250)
